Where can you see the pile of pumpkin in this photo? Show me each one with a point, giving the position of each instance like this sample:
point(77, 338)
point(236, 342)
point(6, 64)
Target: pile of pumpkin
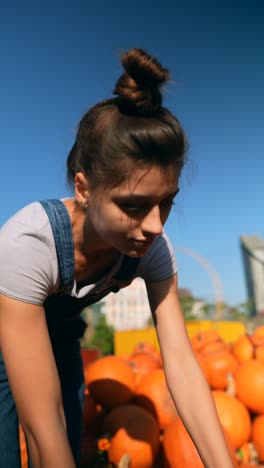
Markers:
point(128, 408)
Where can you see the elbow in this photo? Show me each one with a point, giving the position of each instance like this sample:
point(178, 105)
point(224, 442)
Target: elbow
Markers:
point(39, 426)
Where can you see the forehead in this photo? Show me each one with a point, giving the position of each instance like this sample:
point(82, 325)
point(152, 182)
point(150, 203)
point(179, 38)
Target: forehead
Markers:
point(149, 181)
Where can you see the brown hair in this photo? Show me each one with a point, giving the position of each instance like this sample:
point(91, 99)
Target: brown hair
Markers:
point(130, 128)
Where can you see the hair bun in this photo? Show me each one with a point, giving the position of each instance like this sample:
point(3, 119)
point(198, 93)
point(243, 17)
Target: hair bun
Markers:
point(138, 89)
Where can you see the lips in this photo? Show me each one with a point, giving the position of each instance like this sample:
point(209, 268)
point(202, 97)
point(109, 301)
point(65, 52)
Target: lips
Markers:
point(141, 243)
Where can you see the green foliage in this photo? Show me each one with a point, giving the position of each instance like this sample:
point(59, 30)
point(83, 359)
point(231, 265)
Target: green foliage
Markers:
point(240, 312)
point(103, 336)
point(149, 322)
point(186, 307)
point(247, 308)
point(97, 307)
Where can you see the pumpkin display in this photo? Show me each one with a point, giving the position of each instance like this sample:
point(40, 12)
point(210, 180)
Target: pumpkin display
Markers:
point(249, 384)
point(180, 451)
point(231, 411)
point(111, 381)
point(152, 393)
point(258, 436)
point(128, 404)
point(133, 430)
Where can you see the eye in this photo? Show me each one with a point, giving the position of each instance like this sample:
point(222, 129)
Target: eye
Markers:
point(134, 209)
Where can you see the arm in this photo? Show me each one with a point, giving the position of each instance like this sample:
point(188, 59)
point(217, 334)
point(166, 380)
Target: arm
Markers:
point(34, 381)
point(185, 379)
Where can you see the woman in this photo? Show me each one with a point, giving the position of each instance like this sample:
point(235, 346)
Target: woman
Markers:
point(59, 255)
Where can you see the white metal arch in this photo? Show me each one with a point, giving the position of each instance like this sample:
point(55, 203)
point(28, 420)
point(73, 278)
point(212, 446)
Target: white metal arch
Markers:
point(214, 277)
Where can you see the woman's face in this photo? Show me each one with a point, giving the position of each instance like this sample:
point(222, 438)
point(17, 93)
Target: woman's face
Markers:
point(130, 216)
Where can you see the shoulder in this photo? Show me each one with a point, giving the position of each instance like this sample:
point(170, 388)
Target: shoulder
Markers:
point(26, 229)
point(159, 263)
point(28, 261)
point(31, 216)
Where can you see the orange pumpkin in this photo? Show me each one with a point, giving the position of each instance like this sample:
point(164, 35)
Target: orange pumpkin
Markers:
point(219, 365)
point(258, 335)
point(133, 430)
point(259, 353)
point(231, 410)
point(152, 393)
point(157, 355)
point(249, 347)
point(249, 382)
point(204, 338)
point(214, 347)
point(143, 363)
point(257, 340)
point(110, 381)
point(258, 436)
point(125, 356)
point(179, 449)
point(242, 349)
point(144, 347)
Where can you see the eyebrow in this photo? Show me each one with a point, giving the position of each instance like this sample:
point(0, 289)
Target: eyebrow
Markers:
point(138, 197)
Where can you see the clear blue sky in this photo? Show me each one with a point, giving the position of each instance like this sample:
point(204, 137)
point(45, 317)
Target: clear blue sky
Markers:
point(59, 58)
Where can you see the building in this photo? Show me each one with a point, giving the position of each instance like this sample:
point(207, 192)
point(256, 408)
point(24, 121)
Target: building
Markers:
point(252, 248)
point(129, 308)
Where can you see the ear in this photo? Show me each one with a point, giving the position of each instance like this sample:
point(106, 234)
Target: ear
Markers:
point(81, 189)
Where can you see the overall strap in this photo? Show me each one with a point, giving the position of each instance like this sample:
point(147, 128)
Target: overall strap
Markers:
point(62, 232)
point(127, 269)
point(121, 279)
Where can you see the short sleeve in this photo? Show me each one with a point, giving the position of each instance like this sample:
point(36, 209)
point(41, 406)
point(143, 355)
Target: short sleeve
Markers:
point(28, 261)
point(159, 263)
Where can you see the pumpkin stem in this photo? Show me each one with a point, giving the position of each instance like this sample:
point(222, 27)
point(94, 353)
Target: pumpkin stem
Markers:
point(231, 386)
point(253, 454)
point(125, 461)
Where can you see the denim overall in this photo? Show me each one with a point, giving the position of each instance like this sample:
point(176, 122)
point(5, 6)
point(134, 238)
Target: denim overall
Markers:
point(65, 327)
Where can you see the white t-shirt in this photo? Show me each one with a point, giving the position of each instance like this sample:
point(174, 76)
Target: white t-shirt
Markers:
point(29, 269)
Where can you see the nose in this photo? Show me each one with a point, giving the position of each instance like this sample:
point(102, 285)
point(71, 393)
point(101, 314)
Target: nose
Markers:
point(151, 223)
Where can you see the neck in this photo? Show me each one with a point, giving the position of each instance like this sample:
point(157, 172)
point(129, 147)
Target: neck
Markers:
point(85, 239)
point(92, 258)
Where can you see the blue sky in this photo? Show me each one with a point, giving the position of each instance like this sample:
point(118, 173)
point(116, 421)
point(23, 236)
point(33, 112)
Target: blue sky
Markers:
point(59, 58)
